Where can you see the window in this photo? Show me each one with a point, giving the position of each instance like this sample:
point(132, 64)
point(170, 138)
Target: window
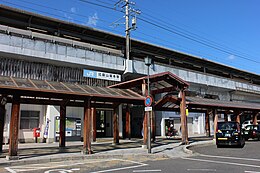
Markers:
point(29, 119)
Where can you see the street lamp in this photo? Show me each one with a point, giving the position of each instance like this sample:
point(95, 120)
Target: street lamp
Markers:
point(148, 62)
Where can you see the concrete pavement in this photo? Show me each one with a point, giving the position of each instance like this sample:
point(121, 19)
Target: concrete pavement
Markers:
point(32, 153)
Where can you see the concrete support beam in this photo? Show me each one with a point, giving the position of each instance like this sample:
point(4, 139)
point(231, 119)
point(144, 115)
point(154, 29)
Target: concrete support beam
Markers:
point(87, 128)
point(14, 127)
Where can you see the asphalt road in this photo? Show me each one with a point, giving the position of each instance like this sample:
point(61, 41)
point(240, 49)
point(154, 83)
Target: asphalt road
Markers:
point(206, 159)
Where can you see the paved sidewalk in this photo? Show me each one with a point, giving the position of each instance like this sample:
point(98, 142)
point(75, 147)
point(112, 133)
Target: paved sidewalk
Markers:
point(31, 153)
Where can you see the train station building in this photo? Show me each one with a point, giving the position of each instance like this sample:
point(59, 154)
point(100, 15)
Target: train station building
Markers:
point(73, 82)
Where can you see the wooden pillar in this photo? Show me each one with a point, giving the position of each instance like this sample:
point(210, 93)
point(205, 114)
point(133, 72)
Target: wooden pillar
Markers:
point(62, 138)
point(14, 126)
point(207, 123)
point(184, 126)
point(2, 124)
point(255, 118)
point(145, 128)
point(115, 124)
point(238, 115)
point(225, 117)
point(94, 124)
point(128, 122)
point(153, 126)
point(215, 122)
point(87, 129)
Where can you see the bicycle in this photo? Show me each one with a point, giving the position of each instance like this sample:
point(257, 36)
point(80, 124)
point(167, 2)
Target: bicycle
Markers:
point(171, 133)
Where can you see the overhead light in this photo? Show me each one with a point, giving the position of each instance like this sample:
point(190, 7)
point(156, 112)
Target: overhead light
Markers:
point(36, 29)
point(75, 38)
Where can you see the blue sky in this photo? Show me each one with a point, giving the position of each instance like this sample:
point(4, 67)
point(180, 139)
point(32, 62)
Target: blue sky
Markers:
point(224, 31)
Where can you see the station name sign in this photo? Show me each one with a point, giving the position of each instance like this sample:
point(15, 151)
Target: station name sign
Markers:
point(101, 75)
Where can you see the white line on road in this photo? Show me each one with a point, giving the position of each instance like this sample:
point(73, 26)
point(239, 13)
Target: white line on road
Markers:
point(118, 169)
point(225, 157)
point(10, 170)
point(227, 163)
point(251, 172)
point(158, 170)
point(207, 170)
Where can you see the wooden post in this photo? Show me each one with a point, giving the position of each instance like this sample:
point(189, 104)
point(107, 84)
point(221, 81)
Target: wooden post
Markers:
point(225, 117)
point(238, 114)
point(184, 127)
point(62, 125)
point(145, 126)
point(153, 126)
point(215, 122)
point(128, 122)
point(145, 129)
point(87, 129)
point(207, 122)
point(115, 124)
point(14, 126)
point(2, 124)
point(255, 118)
point(94, 124)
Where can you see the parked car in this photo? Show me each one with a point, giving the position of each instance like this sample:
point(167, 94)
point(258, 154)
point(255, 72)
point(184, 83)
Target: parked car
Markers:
point(229, 133)
point(246, 123)
point(252, 131)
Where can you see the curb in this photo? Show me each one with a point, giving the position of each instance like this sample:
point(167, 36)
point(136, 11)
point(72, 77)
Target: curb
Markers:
point(186, 147)
point(82, 157)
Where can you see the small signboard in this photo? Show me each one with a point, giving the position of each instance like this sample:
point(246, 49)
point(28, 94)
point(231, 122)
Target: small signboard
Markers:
point(148, 101)
point(147, 109)
point(101, 75)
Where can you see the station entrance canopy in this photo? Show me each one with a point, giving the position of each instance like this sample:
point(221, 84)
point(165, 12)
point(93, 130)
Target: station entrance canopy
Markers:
point(28, 91)
point(171, 102)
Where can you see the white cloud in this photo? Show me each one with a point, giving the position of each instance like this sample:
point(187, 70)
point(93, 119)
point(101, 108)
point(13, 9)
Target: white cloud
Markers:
point(92, 20)
point(231, 57)
point(73, 9)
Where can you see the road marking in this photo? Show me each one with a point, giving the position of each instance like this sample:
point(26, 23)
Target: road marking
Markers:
point(10, 170)
point(237, 158)
point(158, 170)
point(227, 163)
point(251, 172)
point(208, 170)
point(15, 169)
point(123, 168)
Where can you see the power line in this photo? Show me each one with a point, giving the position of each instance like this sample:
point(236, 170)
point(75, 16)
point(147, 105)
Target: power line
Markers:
point(185, 35)
point(51, 14)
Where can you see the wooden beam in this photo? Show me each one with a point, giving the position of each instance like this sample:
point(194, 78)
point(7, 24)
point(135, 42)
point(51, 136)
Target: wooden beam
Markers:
point(2, 124)
point(14, 126)
point(128, 122)
point(145, 129)
point(87, 130)
point(115, 125)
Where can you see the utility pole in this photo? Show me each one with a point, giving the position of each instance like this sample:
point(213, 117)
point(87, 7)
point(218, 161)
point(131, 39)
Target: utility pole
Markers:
point(127, 30)
point(129, 12)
